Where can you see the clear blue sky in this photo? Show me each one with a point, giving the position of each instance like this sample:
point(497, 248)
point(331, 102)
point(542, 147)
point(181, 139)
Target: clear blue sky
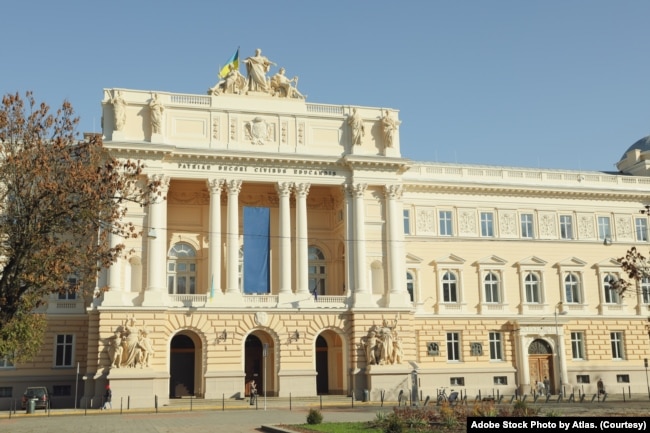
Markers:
point(552, 84)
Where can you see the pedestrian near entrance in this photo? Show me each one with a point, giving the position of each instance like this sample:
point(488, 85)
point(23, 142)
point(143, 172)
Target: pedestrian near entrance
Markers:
point(108, 395)
point(547, 385)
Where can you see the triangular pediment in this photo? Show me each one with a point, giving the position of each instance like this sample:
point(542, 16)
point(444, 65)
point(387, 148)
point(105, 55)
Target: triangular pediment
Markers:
point(531, 261)
point(609, 263)
point(490, 261)
point(571, 262)
point(450, 260)
point(413, 259)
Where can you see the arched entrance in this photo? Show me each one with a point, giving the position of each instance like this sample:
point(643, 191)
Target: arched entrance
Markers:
point(540, 363)
point(183, 366)
point(253, 363)
point(329, 356)
point(322, 373)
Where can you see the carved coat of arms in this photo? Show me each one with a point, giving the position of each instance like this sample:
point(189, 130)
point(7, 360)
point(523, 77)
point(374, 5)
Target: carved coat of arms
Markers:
point(258, 131)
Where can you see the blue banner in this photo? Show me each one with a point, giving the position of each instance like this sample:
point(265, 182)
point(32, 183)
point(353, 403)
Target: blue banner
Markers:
point(256, 249)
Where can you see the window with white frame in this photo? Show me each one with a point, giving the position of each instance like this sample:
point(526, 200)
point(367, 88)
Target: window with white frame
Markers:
point(578, 345)
point(407, 222)
point(492, 288)
point(496, 346)
point(566, 227)
point(527, 230)
point(70, 292)
point(572, 288)
point(532, 288)
point(410, 285)
point(449, 287)
point(611, 294)
point(181, 269)
point(617, 345)
point(453, 346)
point(604, 228)
point(487, 224)
point(64, 350)
point(446, 224)
point(645, 290)
point(6, 361)
point(317, 270)
point(641, 226)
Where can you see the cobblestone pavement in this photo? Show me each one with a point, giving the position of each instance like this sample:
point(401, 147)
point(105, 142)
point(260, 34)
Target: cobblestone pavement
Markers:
point(246, 419)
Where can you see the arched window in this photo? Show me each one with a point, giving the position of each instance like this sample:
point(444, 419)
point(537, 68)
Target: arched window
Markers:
point(491, 285)
point(410, 284)
point(449, 287)
point(317, 270)
point(181, 269)
point(611, 295)
point(572, 288)
point(531, 284)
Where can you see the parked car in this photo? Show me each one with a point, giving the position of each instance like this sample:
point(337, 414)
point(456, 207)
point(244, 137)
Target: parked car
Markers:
point(39, 393)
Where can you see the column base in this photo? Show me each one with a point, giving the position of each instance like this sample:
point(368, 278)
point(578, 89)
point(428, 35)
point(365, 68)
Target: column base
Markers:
point(399, 300)
point(232, 299)
point(363, 300)
point(154, 299)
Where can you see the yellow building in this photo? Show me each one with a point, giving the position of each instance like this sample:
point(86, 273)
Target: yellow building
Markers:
point(298, 250)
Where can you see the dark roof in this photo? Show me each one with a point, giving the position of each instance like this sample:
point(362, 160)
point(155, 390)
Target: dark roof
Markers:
point(643, 145)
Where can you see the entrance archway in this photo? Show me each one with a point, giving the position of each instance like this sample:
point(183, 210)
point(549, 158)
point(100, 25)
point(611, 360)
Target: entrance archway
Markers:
point(540, 363)
point(256, 366)
point(329, 363)
point(181, 366)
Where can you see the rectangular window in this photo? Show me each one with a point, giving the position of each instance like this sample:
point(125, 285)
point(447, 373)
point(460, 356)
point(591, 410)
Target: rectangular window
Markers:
point(487, 224)
point(6, 361)
point(623, 378)
point(496, 350)
point(641, 225)
point(407, 222)
point(500, 380)
point(6, 391)
point(527, 230)
point(453, 346)
point(578, 345)
point(457, 381)
point(604, 228)
point(611, 294)
point(64, 346)
point(446, 226)
point(617, 345)
point(61, 390)
point(582, 378)
point(566, 227)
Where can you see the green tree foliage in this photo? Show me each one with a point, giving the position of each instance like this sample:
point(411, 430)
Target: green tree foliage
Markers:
point(60, 199)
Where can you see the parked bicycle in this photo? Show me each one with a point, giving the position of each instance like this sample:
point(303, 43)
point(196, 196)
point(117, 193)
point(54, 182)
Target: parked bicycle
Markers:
point(442, 396)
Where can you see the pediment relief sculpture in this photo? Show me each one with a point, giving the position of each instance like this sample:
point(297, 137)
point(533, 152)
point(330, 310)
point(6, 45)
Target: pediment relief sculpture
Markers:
point(130, 347)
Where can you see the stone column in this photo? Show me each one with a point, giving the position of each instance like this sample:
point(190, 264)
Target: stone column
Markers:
point(284, 191)
point(232, 237)
point(362, 295)
point(214, 267)
point(398, 296)
point(302, 242)
point(157, 247)
point(114, 296)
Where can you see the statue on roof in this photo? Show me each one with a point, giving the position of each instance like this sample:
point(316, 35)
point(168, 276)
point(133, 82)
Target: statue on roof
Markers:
point(285, 87)
point(234, 82)
point(256, 67)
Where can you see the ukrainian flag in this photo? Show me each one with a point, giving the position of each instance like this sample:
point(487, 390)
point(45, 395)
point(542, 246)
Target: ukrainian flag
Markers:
point(234, 61)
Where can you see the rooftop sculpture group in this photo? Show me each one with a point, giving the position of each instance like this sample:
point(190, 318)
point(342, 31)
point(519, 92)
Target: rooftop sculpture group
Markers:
point(257, 67)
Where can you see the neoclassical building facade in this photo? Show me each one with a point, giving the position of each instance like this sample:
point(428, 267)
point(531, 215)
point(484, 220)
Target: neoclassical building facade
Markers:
point(297, 249)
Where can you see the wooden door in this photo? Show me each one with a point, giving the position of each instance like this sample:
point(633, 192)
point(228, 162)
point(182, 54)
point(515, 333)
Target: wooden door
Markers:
point(540, 367)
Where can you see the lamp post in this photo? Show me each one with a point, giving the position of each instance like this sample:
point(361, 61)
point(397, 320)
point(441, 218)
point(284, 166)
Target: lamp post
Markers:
point(557, 351)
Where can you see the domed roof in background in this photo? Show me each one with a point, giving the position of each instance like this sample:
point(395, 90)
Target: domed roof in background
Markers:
point(643, 145)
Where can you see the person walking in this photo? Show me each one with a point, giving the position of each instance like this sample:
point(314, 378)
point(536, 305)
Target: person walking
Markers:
point(108, 394)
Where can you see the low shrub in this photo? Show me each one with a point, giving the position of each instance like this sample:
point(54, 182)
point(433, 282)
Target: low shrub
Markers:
point(314, 417)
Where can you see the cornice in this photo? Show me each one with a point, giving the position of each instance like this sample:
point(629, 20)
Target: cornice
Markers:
point(375, 163)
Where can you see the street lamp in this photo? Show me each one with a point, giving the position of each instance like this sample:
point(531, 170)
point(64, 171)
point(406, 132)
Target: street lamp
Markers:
point(557, 351)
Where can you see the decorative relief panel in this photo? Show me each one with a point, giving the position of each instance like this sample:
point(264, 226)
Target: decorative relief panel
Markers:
point(586, 228)
point(508, 224)
point(284, 132)
point(425, 221)
point(623, 228)
point(467, 222)
point(547, 225)
point(233, 129)
point(301, 133)
point(215, 129)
